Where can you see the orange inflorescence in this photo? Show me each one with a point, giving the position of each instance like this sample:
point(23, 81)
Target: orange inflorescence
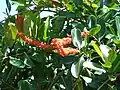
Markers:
point(35, 42)
point(61, 42)
point(56, 43)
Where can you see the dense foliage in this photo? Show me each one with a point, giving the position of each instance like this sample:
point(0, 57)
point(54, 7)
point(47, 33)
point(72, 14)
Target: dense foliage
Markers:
point(77, 47)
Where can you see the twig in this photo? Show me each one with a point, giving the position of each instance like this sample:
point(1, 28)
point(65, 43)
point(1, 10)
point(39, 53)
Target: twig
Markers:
point(55, 80)
point(7, 84)
point(103, 84)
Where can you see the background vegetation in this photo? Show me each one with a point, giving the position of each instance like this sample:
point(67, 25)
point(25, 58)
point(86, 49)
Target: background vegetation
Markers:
point(34, 50)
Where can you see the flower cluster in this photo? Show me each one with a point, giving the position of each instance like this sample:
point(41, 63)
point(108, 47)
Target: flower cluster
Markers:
point(35, 42)
point(59, 44)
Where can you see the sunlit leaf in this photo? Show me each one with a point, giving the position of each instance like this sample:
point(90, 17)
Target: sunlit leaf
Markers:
point(17, 62)
point(95, 30)
point(13, 31)
point(97, 49)
point(77, 67)
point(76, 37)
point(105, 50)
point(107, 64)
point(47, 23)
point(93, 66)
point(87, 79)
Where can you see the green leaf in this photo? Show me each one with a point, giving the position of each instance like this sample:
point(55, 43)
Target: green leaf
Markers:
point(112, 56)
point(76, 37)
point(29, 62)
point(92, 21)
point(116, 64)
point(93, 66)
point(117, 42)
point(13, 31)
point(78, 25)
point(112, 29)
point(67, 14)
point(39, 57)
point(17, 62)
point(76, 67)
point(112, 77)
point(47, 24)
point(97, 49)
point(87, 79)
point(18, 3)
point(78, 2)
point(8, 41)
point(79, 84)
point(8, 5)
point(71, 6)
point(24, 85)
point(105, 51)
point(58, 23)
point(117, 20)
point(108, 14)
point(95, 30)
point(89, 9)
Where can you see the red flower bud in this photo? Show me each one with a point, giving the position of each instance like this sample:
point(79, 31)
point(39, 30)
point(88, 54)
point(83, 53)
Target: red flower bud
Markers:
point(85, 33)
point(19, 23)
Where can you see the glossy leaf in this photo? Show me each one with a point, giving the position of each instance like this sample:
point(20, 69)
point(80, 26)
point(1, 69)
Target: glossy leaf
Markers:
point(92, 21)
point(117, 19)
point(76, 37)
point(105, 51)
point(58, 23)
point(107, 64)
point(87, 79)
point(47, 24)
point(29, 63)
point(93, 31)
point(17, 62)
point(67, 14)
point(13, 31)
point(116, 64)
point(97, 49)
point(76, 67)
point(93, 66)
point(112, 56)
